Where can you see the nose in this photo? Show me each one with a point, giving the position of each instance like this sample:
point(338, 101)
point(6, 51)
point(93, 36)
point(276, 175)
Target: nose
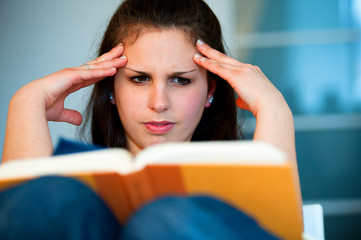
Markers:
point(158, 98)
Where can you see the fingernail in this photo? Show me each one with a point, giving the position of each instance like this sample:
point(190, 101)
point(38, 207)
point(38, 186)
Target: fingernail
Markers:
point(114, 68)
point(200, 42)
point(202, 59)
point(123, 56)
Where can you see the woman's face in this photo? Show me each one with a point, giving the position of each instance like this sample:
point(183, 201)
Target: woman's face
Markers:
point(161, 93)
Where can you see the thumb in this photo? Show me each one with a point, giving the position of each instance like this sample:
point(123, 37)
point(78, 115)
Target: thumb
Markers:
point(241, 104)
point(71, 116)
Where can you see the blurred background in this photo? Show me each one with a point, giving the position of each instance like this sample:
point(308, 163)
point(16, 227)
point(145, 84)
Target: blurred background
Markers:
point(310, 49)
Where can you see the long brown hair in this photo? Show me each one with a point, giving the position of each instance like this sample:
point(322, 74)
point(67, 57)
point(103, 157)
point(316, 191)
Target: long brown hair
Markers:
point(219, 121)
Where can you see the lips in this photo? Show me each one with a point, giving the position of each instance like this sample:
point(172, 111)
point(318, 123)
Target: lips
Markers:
point(162, 127)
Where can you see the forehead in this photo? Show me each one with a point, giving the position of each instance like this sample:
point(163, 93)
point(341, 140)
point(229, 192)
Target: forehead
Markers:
point(134, 32)
point(158, 46)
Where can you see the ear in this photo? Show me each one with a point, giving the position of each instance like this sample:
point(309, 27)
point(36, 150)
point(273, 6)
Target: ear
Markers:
point(211, 91)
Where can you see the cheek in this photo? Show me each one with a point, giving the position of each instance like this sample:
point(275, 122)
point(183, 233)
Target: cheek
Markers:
point(193, 105)
point(128, 103)
point(130, 107)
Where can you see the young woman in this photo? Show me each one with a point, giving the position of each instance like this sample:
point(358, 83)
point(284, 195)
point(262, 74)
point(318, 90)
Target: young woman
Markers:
point(150, 57)
point(161, 76)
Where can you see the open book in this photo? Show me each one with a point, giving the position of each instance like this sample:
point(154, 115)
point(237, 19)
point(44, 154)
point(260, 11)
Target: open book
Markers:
point(254, 177)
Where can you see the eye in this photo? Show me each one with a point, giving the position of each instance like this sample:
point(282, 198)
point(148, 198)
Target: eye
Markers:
point(139, 79)
point(181, 81)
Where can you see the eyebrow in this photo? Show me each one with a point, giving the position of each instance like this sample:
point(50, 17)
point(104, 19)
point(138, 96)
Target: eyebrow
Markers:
point(172, 74)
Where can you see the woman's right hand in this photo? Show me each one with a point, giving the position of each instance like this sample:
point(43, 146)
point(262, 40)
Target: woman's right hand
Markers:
point(27, 132)
point(54, 88)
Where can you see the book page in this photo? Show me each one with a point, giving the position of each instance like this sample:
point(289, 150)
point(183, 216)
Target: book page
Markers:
point(116, 160)
point(215, 152)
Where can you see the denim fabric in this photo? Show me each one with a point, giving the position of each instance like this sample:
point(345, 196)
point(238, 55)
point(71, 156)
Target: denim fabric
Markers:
point(197, 217)
point(55, 208)
point(63, 208)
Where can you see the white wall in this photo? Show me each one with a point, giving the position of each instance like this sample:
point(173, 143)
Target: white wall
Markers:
point(38, 37)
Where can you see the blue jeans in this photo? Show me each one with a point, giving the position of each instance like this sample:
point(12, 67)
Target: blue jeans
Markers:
point(63, 208)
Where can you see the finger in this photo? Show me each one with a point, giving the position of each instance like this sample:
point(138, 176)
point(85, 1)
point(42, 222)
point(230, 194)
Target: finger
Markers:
point(117, 51)
point(89, 77)
point(241, 104)
point(81, 85)
point(113, 63)
point(72, 79)
point(222, 70)
point(78, 74)
point(211, 53)
point(71, 116)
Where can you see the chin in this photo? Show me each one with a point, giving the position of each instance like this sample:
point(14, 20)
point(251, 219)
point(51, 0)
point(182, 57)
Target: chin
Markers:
point(161, 139)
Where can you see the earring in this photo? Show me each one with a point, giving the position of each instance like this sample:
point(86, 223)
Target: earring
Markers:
point(111, 98)
point(211, 99)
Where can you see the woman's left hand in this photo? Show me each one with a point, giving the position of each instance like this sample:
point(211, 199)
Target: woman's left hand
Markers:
point(274, 120)
point(254, 89)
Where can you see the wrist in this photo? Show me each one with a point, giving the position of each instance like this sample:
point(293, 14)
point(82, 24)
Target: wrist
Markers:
point(27, 133)
point(273, 107)
point(28, 98)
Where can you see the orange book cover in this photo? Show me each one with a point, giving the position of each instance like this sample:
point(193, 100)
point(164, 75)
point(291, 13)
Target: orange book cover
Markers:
point(253, 177)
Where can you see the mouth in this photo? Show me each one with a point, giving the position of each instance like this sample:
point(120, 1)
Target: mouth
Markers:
point(161, 127)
